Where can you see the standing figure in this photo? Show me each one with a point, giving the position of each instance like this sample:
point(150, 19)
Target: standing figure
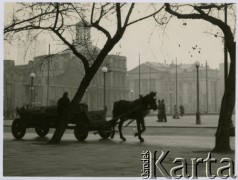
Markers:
point(63, 104)
point(181, 109)
point(159, 115)
point(176, 114)
point(164, 118)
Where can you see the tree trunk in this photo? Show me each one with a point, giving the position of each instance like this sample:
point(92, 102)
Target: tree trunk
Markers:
point(222, 143)
point(59, 132)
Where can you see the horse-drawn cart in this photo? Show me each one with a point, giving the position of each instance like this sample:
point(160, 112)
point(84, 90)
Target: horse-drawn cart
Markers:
point(44, 118)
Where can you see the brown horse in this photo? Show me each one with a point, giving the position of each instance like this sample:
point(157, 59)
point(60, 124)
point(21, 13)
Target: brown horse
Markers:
point(136, 110)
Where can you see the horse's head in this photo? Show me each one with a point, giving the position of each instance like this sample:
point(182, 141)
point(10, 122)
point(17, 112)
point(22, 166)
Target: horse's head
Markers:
point(150, 101)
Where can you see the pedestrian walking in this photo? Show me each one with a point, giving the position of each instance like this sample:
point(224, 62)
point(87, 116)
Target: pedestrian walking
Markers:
point(163, 112)
point(159, 115)
point(63, 104)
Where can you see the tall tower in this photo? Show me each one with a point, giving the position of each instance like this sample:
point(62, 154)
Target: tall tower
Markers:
point(83, 36)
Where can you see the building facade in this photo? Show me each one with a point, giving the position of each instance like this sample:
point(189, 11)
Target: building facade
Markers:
point(62, 72)
point(162, 78)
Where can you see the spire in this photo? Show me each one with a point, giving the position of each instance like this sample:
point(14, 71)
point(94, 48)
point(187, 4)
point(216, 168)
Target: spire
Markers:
point(83, 35)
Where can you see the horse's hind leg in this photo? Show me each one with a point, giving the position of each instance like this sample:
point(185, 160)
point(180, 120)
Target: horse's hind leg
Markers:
point(120, 130)
point(138, 122)
point(143, 125)
point(113, 124)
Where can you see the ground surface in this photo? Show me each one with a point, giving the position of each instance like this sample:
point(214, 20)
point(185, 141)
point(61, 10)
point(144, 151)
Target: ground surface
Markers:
point(111, 158)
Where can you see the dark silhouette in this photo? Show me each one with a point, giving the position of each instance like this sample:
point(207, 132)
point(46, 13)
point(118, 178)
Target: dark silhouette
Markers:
point(159, 115)
point(163, 111)
point(181, 109)
point(137, 109)
point(63, 104)
point(39, 13)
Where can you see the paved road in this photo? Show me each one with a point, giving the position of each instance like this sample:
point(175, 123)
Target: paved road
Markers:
point(186, 121)
point(102, 158)
point(32, 156)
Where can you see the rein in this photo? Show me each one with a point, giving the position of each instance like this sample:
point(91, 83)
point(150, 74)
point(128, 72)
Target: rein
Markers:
point(116, 118)
point(131, 121)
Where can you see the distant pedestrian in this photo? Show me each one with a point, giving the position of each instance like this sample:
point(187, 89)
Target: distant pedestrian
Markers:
point(63, 104)
point(163, 112)
point(159, 115)
point(181, 109)
point(176, 114)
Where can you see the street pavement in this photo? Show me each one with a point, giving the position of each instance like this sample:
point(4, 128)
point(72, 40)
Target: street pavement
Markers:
point(185, 121)
point(95, 157)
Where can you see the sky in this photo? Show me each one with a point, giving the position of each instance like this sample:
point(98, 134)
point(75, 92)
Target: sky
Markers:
point(150, 42)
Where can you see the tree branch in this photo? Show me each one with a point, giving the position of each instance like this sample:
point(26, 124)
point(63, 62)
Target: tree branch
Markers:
point(72, 47)
point(211, 6)
point(92, 13)
point(140, 19)
point(9, 28)
point(223, 26)
point(100, 28)
point(118, 10)
point(128, 15)
point(57, 15)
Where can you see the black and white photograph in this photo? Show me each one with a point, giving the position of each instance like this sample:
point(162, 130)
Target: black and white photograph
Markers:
point(94, 89)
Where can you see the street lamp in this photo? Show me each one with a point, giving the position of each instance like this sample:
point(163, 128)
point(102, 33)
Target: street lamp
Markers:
point(131, 91)
point(32, 76)
point(104, 70)
point(198, 120)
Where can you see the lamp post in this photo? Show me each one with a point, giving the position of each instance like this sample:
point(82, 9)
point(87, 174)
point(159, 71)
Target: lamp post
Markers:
point(176, 115)
point(206, 88)
point(170, 101)
point(131, 91)
point(32, 76)
point(198, 120)
point(176, 83)
point(104, 70)
point(204, 101)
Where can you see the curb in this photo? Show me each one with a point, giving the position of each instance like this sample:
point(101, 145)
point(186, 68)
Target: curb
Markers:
point(8, 125)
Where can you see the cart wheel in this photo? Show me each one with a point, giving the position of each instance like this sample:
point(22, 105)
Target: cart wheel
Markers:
point(18, 128)
point(81, 131)
point(105, 131)
point(42, 131)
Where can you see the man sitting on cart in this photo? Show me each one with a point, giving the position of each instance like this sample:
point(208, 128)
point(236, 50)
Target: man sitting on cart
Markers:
point(63, 104)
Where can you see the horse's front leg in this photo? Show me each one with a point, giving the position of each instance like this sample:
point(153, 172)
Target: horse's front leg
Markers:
point(138, 122)
point(143, 125)
point(120, 129)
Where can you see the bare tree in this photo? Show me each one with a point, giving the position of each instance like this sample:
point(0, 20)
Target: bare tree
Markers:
point(211, 13)
point(58, 19)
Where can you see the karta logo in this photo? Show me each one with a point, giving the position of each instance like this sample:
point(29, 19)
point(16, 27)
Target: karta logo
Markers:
point(152, 165)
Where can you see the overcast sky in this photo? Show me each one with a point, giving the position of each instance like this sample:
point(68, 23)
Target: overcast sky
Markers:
point(152, 43)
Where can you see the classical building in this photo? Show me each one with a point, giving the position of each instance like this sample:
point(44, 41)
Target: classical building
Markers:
point(64, 72)
point(161, 78)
